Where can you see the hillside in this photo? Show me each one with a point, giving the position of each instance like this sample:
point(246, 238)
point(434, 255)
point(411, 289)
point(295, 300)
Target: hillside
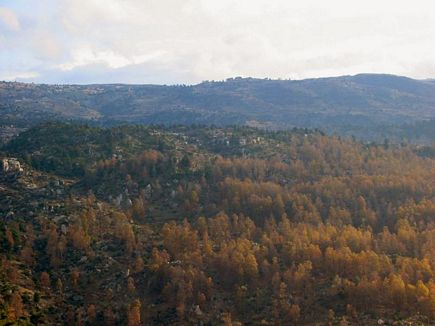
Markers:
point(365, 105)
point(138, 225)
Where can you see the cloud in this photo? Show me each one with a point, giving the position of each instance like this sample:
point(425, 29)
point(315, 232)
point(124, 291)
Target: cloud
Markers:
point(8, 19)
point(193, 40)
point(46, 46)
point(18, 75)
point(102, 73)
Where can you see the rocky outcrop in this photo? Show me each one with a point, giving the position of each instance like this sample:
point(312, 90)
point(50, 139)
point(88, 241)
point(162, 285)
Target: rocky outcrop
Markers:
point(10, 165)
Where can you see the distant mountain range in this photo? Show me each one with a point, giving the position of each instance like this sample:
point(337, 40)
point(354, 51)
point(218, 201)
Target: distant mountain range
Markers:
point(362, 105)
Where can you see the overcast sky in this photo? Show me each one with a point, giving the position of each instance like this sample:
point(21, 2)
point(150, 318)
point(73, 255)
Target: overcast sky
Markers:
point(188, 41)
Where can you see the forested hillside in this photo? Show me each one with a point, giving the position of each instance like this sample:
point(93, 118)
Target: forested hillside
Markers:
point(368, 106)
point(136, 225)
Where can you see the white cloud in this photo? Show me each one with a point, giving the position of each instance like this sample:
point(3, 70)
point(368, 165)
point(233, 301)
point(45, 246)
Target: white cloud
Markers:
point(45, 46)
point(85, 56)
point(8, 19)
point(215, 39)
point(18, 75)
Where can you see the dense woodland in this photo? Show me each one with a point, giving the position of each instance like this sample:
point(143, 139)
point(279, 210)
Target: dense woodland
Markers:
point(135, 225)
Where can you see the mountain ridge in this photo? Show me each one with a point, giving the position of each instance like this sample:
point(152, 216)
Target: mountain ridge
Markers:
point(331, 103)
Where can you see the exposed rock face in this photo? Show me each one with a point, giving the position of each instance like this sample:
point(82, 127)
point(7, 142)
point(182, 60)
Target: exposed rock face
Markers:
point(4, 165)
point(10, 165)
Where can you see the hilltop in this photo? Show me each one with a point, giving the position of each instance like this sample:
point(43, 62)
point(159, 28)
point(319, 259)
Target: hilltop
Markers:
point(369, 106)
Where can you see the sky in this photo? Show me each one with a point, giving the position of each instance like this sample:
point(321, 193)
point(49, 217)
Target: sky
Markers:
point(189, 41)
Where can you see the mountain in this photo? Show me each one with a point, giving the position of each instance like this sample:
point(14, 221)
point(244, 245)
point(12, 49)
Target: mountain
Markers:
point(362, 105)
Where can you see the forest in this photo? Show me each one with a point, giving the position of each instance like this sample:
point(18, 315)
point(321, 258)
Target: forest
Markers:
point(200, 225)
